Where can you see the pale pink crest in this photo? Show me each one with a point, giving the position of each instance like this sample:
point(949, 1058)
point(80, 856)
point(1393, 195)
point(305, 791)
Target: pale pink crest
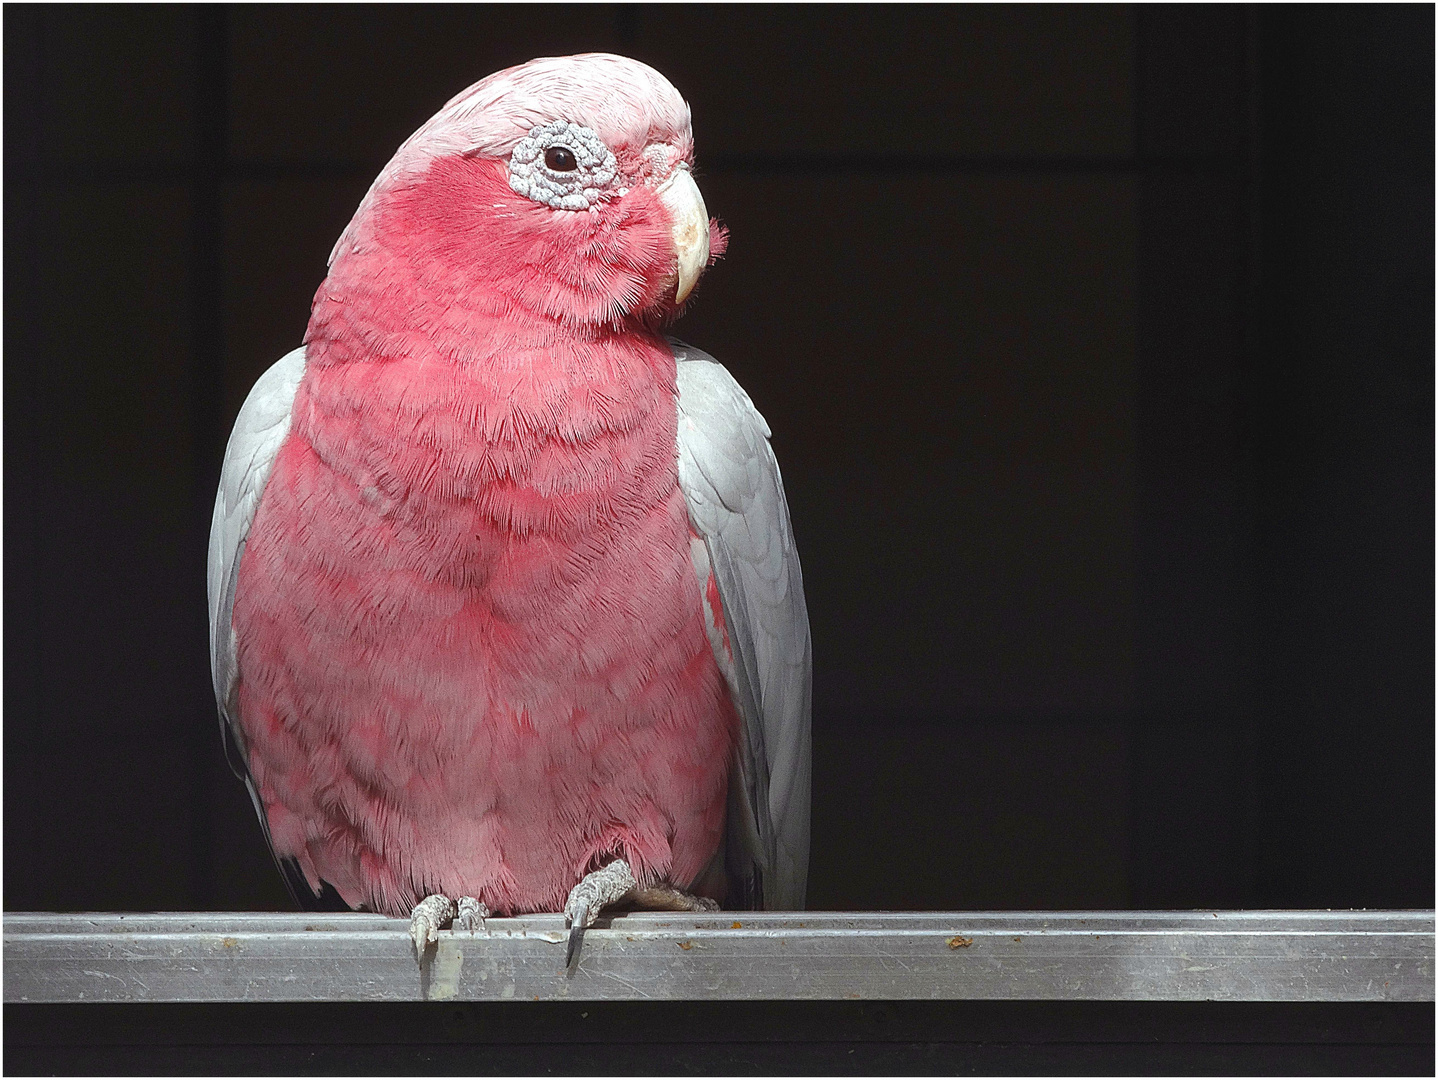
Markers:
point(628, 104)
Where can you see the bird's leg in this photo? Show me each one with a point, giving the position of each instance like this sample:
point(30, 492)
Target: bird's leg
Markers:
point(430, 915)
point(667, 898)
point(606, 886)
point(472, 912)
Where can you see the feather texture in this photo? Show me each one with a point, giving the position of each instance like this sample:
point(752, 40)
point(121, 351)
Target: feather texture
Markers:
point(458, 638)
point(259, 431)
point(735, 496)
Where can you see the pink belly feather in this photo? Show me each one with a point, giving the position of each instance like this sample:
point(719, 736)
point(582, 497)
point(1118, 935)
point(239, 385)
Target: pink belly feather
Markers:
point(471, 644)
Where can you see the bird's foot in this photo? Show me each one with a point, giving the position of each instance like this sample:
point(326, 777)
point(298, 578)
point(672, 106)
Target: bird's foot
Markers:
point(430, 916)
point(434, 913)
point(472, 914)
point(668, 898)
point(589, 897)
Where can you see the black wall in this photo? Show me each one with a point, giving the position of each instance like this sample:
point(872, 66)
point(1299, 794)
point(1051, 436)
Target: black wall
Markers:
point(1098, 346)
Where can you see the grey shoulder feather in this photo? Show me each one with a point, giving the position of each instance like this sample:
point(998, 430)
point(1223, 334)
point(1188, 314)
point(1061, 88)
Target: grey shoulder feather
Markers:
point(736, 503)
point(259, 431)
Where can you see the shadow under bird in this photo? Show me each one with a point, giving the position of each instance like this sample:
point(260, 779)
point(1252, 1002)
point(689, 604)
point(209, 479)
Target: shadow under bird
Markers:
point(505, 609)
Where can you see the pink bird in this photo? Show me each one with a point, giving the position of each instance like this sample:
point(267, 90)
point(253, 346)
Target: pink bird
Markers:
point(505, 610)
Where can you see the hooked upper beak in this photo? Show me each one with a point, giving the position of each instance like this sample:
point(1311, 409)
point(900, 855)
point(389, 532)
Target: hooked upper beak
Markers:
point(680, 196)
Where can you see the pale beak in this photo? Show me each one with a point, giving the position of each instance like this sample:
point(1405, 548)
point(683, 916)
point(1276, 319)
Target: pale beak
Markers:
point(680, 196)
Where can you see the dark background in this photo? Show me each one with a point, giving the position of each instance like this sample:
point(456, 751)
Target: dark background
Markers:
point(1098, 347)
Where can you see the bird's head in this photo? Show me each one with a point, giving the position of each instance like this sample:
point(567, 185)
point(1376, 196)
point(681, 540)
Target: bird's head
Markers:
point(560, 188)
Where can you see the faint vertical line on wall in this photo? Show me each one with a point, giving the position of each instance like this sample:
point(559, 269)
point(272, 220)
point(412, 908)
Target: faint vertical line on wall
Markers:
point(1192, 776)
point(1134, 872)
point(207, 177)
point(1250, 320)
point(25, 78)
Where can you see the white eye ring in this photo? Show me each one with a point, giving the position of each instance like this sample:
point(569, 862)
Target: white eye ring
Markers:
point(572, 189)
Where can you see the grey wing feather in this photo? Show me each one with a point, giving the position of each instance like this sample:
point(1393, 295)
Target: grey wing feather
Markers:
point(735, 496)
point(259, 431)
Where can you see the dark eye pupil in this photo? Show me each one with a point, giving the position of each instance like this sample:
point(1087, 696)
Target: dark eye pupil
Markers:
point(560, 159)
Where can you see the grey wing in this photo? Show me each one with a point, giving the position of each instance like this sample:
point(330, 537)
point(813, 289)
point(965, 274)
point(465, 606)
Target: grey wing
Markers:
point(259, 431)
point(735, 496)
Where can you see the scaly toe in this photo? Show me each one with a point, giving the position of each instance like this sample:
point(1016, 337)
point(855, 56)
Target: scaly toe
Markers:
point(472, 914)
point(430, 915)
point(664, 897)
point(613, 883)
point(587, 900)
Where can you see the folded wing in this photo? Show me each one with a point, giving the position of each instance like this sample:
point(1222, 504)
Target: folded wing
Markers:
point(259, 431)
point(735, 495)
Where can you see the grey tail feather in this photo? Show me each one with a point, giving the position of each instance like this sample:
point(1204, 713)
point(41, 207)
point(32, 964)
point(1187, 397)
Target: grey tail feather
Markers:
point(304, 898)
point(234, 757)
point(744, 877)
point(289, 867)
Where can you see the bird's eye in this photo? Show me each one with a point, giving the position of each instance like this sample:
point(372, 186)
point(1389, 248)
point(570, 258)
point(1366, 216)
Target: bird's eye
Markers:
point(562, 164)
point(560, 159)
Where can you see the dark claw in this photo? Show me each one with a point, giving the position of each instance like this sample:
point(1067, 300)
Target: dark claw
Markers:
point(576, 938)
point(576, 942)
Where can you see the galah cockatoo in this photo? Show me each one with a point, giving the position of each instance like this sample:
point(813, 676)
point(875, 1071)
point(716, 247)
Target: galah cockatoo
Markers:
point(505, 610)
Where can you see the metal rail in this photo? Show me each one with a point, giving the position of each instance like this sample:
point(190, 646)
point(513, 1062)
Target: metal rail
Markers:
point(1094, 956)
